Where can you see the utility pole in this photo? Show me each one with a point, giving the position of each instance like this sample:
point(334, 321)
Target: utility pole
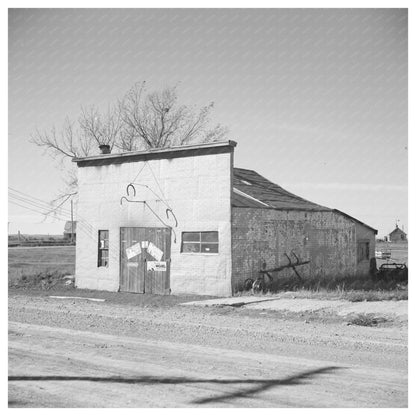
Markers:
point(72, 221)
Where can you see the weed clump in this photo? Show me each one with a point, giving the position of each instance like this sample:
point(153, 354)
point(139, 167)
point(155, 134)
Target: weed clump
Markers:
point(367, 320)
point(44, 280)
point(355, 288)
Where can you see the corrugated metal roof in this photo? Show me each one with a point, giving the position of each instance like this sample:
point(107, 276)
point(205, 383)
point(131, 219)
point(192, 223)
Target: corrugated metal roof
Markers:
point(260, 188)
point(274, 196)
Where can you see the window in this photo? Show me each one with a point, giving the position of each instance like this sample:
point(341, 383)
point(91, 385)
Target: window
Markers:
point(363, 251)
point(102, 248)
point(200, 242)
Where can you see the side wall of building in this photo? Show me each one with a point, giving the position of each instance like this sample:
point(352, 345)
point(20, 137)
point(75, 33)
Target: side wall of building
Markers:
point(198, 189)
point(365, 235)
point(326, 239)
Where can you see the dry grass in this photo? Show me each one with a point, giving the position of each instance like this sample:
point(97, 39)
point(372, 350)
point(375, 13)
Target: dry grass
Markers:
point(351, 288)
point(367, 320)
point(40, 267)
point(35, 279)
point(337, 294)
point(30, 256)
point(45, 267)
point(350, 295)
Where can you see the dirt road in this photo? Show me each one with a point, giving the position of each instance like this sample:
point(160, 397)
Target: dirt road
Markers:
point(77, 353)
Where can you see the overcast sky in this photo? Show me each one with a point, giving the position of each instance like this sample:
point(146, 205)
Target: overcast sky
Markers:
point(315, 98)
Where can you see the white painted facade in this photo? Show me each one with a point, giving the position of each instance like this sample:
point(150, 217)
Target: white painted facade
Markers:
point(196, 187)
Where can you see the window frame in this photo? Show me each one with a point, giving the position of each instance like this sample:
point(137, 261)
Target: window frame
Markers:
point(365, 250)
point(102, 250)
point(200, 243)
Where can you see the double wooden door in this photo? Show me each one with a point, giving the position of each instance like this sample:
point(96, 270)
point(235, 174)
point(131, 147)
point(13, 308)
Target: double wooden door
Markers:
point(145, 260)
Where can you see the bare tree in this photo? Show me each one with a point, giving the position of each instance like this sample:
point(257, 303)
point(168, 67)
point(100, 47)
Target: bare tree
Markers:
point(157, 120)
point(68, 142)
point(93, 129)
point(138, 121)
point(101, 129)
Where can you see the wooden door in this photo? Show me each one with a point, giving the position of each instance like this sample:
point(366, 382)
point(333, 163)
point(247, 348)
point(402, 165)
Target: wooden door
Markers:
point(157, 278)
point(131, 269)
point(145, 260)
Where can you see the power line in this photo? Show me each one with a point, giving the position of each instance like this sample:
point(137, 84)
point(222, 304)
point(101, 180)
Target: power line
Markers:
point(33, 209)
point(42, 205)
point(23, 193)
point(87, 232)
point(30, 202)
point(34, 200)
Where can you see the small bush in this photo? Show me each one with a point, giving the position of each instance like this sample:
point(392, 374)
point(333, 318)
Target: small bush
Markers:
point(367, 320)
point(36, 280)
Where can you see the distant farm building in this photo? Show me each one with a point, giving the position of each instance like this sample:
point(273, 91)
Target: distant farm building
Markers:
point(184, 220)
point(398, 235)
point(70, 230)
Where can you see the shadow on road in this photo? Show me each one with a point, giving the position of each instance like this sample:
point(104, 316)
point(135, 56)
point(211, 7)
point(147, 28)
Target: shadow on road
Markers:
point(263, 385)
point(255, 385)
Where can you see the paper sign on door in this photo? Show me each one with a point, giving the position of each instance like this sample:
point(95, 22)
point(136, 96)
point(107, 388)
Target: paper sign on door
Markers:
point(158, 266)
point(154, 251)
point(133, 251)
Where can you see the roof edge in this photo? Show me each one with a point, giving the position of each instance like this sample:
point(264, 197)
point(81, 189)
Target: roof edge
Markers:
point(156, 153)
point(398, 229)
point(243, 194)
point(354, 219)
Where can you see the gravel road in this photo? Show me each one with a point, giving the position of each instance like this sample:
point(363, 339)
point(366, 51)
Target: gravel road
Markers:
point(77, 353)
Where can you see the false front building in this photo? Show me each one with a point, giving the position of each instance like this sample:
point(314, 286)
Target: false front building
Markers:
point(184, 220)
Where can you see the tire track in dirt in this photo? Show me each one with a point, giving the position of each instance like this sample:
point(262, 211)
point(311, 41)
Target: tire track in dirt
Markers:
point(178, 374)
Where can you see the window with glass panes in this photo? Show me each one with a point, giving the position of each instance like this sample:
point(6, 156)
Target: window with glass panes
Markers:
point(102, 248)
point(200, 242)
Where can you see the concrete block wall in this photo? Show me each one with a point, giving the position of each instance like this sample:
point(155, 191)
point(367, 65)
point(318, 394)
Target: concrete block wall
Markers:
point(260, 236)
point(198, 188)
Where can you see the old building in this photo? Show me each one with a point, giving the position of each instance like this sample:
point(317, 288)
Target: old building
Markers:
point(273, 226)
point(70, 230)
point(398, 235)
point(184, 220)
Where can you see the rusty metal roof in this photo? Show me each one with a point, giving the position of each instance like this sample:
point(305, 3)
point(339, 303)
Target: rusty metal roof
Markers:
point(274, 196)
point(252, 190)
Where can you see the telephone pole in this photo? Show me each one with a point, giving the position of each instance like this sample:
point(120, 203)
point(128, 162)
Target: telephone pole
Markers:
point(72, 221)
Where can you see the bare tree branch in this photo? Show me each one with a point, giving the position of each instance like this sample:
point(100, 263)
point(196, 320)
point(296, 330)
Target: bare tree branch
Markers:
point(138, 121)
point(159, 121)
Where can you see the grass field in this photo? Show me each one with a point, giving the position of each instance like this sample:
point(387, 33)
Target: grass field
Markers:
point(29, 265)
